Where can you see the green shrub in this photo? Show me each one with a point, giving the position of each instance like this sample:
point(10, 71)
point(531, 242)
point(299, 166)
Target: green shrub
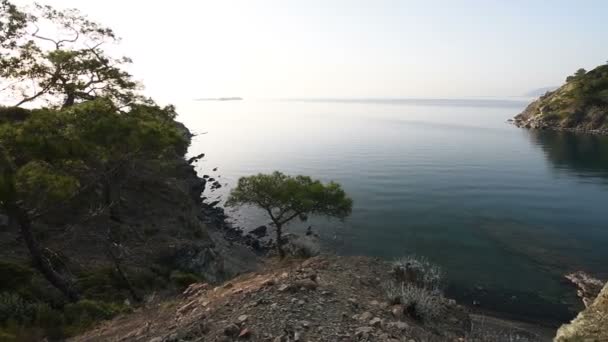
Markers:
point(13, 307)
point(102, 284)
point(84, 313)
point(14, 276)
point(183, 279)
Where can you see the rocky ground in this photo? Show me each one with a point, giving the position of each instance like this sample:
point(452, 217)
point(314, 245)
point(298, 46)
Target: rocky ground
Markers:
point(324, 298)
point(590, 325)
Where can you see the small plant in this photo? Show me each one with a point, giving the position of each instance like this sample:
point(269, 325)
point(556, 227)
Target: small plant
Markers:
point(422, 304)
point(419, 271)
point(416, 285)
point(302, 246)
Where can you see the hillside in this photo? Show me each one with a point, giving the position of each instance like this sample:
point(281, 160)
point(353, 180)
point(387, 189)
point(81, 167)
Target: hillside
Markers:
point(581, 104)
point(152, 237)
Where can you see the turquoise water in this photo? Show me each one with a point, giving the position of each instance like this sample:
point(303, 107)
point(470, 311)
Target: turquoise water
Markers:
point(505, 211)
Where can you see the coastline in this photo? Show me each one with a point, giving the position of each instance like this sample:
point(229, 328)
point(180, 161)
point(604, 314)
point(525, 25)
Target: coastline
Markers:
point(543, 126)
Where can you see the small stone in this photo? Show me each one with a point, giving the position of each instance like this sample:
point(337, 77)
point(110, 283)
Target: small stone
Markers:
point(301, 302)
point(376, 322)
point(232, 330)
point(399, 325)
point(305, 324)
point(366, 316)
point(283, 288)
point(306, 284)
point(268, 282)
point(374, 303)
point(245, 333)
point(363, 330)
point(243, 318)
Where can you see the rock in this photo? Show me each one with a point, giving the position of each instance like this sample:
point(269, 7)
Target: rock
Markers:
point(590, 324)
point(366, 316)
point(363, 330)
point(260, 231)
point(301, 302)
point(243, 318)
point(268, 282)
point(306, 284)
point(283, 288)
point(588, 286)
point(245, 334)
point(156, 339)
point(375, 322)
point(196, 158)
point(398, 325)
point(397, 311)
point(232, 330)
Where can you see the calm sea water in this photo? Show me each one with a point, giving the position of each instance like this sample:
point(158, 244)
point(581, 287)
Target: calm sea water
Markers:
point(505, 211)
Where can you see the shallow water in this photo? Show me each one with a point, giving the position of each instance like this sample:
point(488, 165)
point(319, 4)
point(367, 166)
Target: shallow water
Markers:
point(505, 211)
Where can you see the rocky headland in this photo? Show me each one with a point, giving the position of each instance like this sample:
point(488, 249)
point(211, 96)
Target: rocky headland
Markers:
point(580, 105)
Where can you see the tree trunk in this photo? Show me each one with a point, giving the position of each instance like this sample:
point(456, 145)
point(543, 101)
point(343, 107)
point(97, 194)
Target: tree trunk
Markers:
point(70, 98)
point(280, 250)
point(40, 262)
point(136, 297)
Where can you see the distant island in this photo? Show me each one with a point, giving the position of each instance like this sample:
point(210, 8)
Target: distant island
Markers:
point(581, 105)
point(220, 99)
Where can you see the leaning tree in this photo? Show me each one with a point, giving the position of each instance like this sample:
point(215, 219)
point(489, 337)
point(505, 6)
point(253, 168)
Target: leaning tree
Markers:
point(285, 198)
point(60, 57)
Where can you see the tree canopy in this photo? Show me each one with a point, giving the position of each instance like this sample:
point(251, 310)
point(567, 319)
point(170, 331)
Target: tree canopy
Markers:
point(60, 57)
point(285, 198)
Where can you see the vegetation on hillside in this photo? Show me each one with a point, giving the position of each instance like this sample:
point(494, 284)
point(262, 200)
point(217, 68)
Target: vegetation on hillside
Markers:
point(581, 103)
point(63, 162)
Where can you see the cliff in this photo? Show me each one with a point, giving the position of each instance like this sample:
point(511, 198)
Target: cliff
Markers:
point(590, 325)
point(581, 104)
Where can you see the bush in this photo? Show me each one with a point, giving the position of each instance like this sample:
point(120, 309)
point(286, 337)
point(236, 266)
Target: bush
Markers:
point(183, 279)
point(417, 284)
point(418, 271)
point(13, 307)
point(306, 246)
point(14, 276)
point(82, 314)
point(422, 304)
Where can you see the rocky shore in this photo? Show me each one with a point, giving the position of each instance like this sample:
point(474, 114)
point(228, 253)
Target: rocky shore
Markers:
point(539, 123)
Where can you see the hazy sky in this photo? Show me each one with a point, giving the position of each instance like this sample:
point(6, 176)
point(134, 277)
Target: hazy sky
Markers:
point(376, 48)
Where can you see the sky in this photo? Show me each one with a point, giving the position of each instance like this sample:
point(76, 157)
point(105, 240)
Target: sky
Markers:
point(185, 49)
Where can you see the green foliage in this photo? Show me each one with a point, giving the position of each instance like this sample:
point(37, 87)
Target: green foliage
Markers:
point(62, 53)
point(14, 276)
point(15, 308)
point(55, 152)
point(285, 197)
point(183, 279)
point(81, 315)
